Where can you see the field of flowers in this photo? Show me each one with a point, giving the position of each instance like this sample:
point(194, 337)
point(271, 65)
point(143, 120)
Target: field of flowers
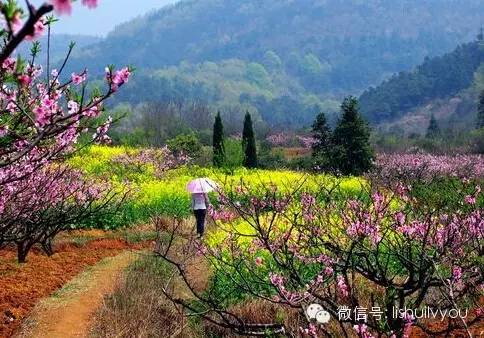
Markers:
point(284, 237)
point(412, 236)
point(156, 180)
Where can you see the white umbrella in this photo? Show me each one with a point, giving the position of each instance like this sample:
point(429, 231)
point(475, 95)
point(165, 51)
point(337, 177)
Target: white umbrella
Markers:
point(201, 186)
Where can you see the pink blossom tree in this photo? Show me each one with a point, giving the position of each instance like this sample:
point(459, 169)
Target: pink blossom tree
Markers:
point(41, 120)
point(53, 199)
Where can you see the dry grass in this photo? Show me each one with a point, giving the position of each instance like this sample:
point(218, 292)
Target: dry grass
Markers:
point(183, 251)
point(138, 308)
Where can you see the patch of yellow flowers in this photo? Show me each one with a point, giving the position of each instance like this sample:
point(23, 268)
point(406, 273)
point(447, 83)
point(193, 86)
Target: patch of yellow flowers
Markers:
point(168, 193)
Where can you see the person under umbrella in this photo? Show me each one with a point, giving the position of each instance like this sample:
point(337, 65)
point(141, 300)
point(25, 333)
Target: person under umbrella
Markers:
point(199, 188)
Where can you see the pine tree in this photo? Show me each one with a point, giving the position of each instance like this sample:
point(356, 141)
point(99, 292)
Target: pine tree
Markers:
point(480, 111)
point(248, 143)
point(433, 129)
point(322, 146)
point(218, 142)
point(351, 152)
point(321, 133)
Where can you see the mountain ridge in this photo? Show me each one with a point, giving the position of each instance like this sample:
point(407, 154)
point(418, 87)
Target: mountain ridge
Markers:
point(277, 58)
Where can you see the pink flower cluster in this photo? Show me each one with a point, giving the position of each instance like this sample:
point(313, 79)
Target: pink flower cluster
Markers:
point(16, 25)
point(44, 189)
point(291, 297)
point(224, 215)
point(78, 79)
point(456, 273)
point(101, 135)
point(65, 6)
point(3, 131)
point(280, 139)
point(117, 79)
point(427, 166)
point(308, 203)
point(307, 141)
point(54, 113)
point(408, 325)
point(335, 238)
point(310, 331)
point(362, 331)
point(363, 222)
point(342, 286)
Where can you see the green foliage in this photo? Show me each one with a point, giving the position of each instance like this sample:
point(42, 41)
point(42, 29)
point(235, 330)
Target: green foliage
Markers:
point(270, 158)
point(442, 194)
point(187, 144)
point(248, 143)
point(467, 141)
point(272, 61)
point(351, 150)
point(222, 287)
point(263, 50)
point(257, 74)
point(476, 141)
point(322, 147)
point(218, 142)
point(433, 129)
point(479, 78)
point(234, 154)
point(304, 163)
point(153, 124)
point(480, 111)
point(311, 64)
point(438, 77)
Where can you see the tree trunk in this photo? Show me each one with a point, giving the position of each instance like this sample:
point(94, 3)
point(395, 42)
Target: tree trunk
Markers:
point(22, 251)
point(47, 247)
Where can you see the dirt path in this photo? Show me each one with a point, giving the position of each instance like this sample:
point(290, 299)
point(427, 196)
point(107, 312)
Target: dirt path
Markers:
point(68, 312)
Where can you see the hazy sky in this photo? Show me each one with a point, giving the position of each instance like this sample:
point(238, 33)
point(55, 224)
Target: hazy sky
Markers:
point(105, 17)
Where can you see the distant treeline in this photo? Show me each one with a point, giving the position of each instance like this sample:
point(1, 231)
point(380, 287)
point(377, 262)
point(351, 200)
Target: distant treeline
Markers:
point(438, 77)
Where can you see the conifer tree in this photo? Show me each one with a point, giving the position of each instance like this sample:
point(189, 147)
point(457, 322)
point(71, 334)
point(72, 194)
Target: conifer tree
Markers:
point(218, 142)
point(480, 111)
point(248, 143)
point(322, 146)
point(351, 152)
point(433, 129)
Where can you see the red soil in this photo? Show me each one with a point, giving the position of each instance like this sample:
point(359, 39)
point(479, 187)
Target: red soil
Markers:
point(477, 330)
point(22, 285)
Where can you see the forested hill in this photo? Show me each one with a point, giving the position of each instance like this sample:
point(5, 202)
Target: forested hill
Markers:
point(439, 77)
point(202, 30)
point(282, 59)
point(59, 46)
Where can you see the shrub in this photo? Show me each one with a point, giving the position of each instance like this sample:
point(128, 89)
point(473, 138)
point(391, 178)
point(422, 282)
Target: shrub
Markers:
point(187, 144)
